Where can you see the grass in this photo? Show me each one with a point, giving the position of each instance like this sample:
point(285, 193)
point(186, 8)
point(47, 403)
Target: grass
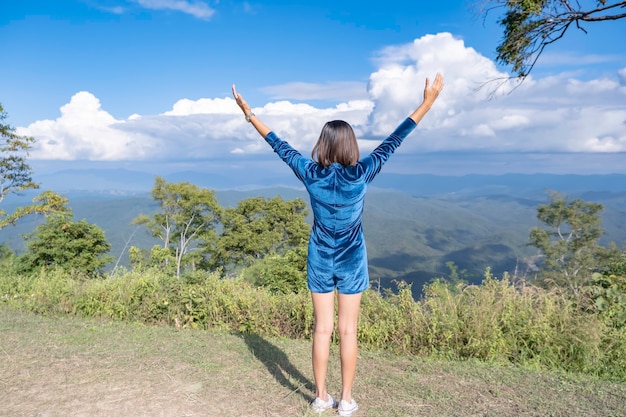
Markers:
point(65, 366)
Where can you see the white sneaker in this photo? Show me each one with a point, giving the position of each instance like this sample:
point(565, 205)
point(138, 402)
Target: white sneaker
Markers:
point(319, 405)
point(347, 408)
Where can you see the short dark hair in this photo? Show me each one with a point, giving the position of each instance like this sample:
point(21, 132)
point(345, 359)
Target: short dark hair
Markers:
point(337, 143)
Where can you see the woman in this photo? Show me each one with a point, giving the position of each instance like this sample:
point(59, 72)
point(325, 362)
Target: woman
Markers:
point(336, 181)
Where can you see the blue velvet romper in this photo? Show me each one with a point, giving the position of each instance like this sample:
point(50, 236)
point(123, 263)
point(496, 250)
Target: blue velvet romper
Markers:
point(337, 255)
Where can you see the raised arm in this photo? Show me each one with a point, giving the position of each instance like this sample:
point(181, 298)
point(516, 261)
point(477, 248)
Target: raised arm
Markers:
point(377, 158)
point(251, 117)
point(431, 92)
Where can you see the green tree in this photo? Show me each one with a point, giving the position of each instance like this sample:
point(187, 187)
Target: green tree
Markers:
point(5, 252)
point(569, 242)
point(531, 25)
point(260, 227)
point(157, 256)
point(188, 215)
point(282, 274)
point(16, 175)
point(60, 241)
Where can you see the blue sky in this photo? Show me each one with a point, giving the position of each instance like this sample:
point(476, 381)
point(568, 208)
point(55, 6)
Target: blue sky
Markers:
point(146, 84)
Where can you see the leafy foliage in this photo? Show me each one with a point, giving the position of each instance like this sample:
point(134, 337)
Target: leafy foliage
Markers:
point(280, 274)
point(156, 257)
point(569, 244)
point(607, 290)
point(5, 254)
point(71, 246)
point(254, 231)
point(531, 25)
point(16, 175)
point(497, 321)
point(260, 227)
point(188, 215)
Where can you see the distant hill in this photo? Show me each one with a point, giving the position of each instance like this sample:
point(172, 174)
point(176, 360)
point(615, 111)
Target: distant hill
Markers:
point(514, 185)
point(414, 224)
point(518, 185)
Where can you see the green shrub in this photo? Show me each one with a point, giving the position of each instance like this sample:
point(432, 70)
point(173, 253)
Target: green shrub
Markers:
point(64, 243)
point(392, 321)
point(496, 321)
point(280, 274)
point(47, 291)
point(606, 296)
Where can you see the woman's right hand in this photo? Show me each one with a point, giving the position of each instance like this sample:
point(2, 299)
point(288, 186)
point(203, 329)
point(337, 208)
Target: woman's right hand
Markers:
point(431, 92)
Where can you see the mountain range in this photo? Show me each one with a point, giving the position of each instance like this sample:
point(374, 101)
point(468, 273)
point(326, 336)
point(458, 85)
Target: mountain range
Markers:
point(414, 224)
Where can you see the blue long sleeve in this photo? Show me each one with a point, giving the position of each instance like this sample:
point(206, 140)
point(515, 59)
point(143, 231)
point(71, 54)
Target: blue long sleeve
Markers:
point(337, 253)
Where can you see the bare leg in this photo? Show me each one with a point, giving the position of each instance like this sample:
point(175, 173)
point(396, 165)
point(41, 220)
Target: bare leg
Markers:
point(348, 311)
point(324, 311)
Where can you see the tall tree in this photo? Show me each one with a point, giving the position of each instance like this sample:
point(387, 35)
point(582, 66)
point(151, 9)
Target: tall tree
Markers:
point(188, 215)
point(60, 241)
point(531, 25)
point(16, 175)
point(569, 241)
point(259, 227)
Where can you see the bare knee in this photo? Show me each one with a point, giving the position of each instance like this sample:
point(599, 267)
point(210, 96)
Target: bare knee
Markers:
point(347, 330)
point(348, 315)
point(324, 329)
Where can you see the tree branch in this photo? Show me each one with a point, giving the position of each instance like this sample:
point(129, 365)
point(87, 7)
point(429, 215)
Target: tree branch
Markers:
point(530, 26)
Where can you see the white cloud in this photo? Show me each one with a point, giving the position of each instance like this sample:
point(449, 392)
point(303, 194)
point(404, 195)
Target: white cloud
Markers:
point(85, 131)
point(398, 85)
point(111, 9)
point(550, 114)
point(312, 91)
point(622, 77)
point(197, 9)
point(186, 107)
point(575, 60)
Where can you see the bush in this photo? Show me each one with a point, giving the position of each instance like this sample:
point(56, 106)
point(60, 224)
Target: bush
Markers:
point(63, 243)
point(47, 291)
point(280, 274)
point(494, 322)
point(606, 297)
point(497, 321)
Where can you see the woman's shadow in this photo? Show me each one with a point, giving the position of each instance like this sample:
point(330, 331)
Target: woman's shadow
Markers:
point(279, 366)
